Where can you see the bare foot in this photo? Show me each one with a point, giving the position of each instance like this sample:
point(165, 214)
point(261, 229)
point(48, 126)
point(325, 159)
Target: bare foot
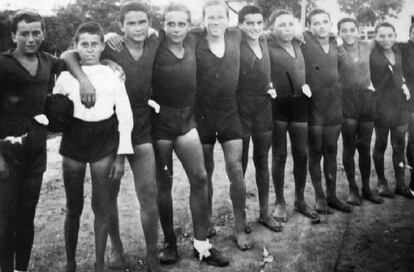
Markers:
point(354, 198)
point(116, 260)
point(300, 206)
point(337, 204)
point(243, 240)
point(270, 223)
point(322, 207)
point(372, 195)
point(280, 213)
point(385, 191)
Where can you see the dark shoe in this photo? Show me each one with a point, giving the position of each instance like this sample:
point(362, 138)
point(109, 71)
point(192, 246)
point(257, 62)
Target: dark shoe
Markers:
point(405, 192)
point(216, 258)
point(168, 254)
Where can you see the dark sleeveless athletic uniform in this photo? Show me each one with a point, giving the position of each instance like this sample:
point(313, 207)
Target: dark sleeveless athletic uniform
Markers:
point(253, 102)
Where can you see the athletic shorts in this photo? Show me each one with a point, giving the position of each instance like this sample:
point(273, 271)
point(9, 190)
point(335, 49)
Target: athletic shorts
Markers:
point(141, 133)
point(220, 121)
point(325, 108)
point(359, 104)
point(90, 141)
point(255, 114)
point(29, 156)
point(170, 123)
point(391, 112)
point(291, 109)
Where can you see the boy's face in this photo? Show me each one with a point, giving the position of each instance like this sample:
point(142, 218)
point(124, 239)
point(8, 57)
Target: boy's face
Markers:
point(284, 27)
point(89, 47)
point(28, 37)
point(176, 26)
point(252, 26)
point(385, 36)
point(136, 25)
point(349, 33)
point(320, 25)
point(216, 20)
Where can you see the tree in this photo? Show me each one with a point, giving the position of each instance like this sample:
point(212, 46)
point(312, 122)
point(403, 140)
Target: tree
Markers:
point(293, 5)
point(370, 11)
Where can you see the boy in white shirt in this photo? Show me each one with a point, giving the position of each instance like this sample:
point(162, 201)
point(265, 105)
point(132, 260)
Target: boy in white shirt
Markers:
point(96, 137)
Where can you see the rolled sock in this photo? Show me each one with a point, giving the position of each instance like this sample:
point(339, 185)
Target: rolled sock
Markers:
point(202, 248)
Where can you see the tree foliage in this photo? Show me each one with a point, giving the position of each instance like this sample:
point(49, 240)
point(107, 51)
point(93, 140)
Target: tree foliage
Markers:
point(293, 5)
point(370, 11)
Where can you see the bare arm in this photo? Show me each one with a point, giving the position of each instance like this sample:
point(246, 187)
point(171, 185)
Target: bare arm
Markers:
point(86, 89)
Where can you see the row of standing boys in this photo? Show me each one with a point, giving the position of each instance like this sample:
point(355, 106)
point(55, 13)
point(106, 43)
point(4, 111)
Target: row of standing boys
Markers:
point(184, 89)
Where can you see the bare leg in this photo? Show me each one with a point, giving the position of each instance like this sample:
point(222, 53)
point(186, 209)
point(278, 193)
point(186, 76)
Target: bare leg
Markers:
point(330, 149)
point(261, 146)
point(299, 145)
point(73, 178)
point(104, 194)
point(381, 139)
point(279, 154)
point(233, 151)
point(208, 151)
point(349, 140)
point(143, 167)
point(316, 135)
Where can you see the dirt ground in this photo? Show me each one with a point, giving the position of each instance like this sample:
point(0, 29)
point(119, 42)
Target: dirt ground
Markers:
point(371, 238)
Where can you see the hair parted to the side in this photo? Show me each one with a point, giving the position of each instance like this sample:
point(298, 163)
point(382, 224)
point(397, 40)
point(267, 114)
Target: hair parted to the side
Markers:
point(277, 13)
point(210, 3)
point(249, 9)
point(28, 16)
point(90, 28)
point(177, 6)
point(347, 20)
point(315, 12)
point(133, 6)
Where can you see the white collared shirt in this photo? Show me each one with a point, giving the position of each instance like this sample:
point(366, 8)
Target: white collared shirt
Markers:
point(111, 97)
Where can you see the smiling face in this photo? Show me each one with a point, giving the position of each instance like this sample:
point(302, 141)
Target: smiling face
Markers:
point(215, 20)
point(28, 37)
point(283, 27)
point(176, 26)
point(136, 25)
point(349, 33)
point(385, 37)
point(89, 47)
point(252, 26)
point(320, 25)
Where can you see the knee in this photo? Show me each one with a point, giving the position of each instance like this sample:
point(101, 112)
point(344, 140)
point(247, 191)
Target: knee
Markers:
point(199, 181)
point(261, 161)
point(363, 148)
point(209, 165)
point(74, 211)
point(279, 158)
point(300, 156)
point(234, 168)
point(331, 149)
point(147, 196)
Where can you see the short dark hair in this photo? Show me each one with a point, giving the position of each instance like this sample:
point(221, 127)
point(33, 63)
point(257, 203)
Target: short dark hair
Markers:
point(90, 28)
point(249, 9)
point(347, 20)
point(277, 13)
point(176, 6)
point(210, 3)
point(27, 16)
point(384, 24)
point(133, 6)
point(316, 12)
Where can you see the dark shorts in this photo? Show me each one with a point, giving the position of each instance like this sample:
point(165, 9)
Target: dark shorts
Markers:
point(391, 111)
point(90, 141)
point(255, 114)
point(359, 104)
point(291, 109)
point(141, 133)
point(29, 157)
point(325, 109)
point(220, 121)
point(170, 123)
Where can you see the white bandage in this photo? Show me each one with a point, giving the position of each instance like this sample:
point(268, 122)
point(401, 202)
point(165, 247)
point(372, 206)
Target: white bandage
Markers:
point(202, 248)
point(41, 119)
